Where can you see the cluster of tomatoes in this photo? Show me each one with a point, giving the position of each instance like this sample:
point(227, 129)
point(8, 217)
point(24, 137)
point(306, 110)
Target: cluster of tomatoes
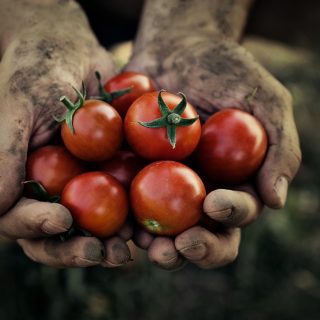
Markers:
point(128, 150)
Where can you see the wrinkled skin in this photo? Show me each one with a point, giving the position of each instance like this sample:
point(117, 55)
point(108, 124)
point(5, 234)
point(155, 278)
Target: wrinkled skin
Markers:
point(46, 47)
point(216, 72)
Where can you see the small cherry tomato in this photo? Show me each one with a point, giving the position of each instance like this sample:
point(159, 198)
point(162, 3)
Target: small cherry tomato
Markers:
point(123, 89)
point(92, 130)
point(167, 197)
point(53, 167)
point(232, 147)
point(162, 126)
point(98, 203)
point(123, 166)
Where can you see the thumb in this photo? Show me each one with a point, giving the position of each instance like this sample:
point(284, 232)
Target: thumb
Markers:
point(14, 136)
point(281, 164)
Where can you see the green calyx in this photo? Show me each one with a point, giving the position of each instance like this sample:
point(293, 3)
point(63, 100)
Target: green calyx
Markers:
point(109, 96)
point(152, 225)
point(73, 232)
point(39, 192)
point(170, 119)
point(72, 107)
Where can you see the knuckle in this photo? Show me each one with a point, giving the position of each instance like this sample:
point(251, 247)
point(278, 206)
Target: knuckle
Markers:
point(287, 96)
point(235, 217)
point(297, 152)
point(233, 255)
point(215, 262)
point(295, 161)
point(297, 155)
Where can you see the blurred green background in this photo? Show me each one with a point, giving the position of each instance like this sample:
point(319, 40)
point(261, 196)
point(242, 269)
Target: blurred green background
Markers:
point(277, 273)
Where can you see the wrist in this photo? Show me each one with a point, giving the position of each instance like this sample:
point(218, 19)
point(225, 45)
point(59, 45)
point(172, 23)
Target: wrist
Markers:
point(168, 21)
point(31, 16)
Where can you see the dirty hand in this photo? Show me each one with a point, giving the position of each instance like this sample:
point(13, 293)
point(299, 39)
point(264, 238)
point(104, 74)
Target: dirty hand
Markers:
point(46, 48)
point(205, 61)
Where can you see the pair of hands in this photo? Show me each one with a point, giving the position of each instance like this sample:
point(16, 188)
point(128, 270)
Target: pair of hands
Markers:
point(46, 53)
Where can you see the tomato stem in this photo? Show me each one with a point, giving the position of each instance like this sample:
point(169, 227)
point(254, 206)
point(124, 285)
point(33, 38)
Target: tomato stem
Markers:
point(109, 96)
point(173, 118)
point(69, 105)
point(170, 119)
point(72, 107)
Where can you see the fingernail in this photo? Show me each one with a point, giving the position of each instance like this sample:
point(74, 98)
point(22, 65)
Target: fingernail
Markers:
point(94, 251)
point(281, 189)
point(194, 251)
point(172, 265)
point(123, 262)
point(118, 255)
point(51, 228)
point(82, 262)
point(222, 214)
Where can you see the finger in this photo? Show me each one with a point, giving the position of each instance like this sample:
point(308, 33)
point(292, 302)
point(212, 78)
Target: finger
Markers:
point(117, 253)
point(142, 238)
point(102, 61)
point(33, 219)
point(76, 252)
point(126, 232)
point(208, 250)
point(163, 253)
point(232, 208)
point(281, 164)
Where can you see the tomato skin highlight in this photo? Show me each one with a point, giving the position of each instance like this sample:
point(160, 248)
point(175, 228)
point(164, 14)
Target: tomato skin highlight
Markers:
point(123, 166)
point(167, 197)
point(139, 84)
point(53, 166)
point(232, 147)
point(98, 203)
point(98, 132)
point(153, 143)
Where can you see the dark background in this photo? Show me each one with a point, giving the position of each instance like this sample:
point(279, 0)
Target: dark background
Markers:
point(277, 273)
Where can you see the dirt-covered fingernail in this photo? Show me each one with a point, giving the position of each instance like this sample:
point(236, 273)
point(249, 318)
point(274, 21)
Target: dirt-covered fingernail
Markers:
point(174, 264)
point(281, 189)
point(194, 251)
point(94, 250)
point(117, 254)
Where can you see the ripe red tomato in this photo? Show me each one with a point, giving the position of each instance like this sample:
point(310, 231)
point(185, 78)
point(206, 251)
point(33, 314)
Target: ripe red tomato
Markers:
point(233, 145)
point(167, 197)
point(53, 167)
point(97, 131)
point(139, 84)
point(153, 143)
point(98, 203)
point(124, 166)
